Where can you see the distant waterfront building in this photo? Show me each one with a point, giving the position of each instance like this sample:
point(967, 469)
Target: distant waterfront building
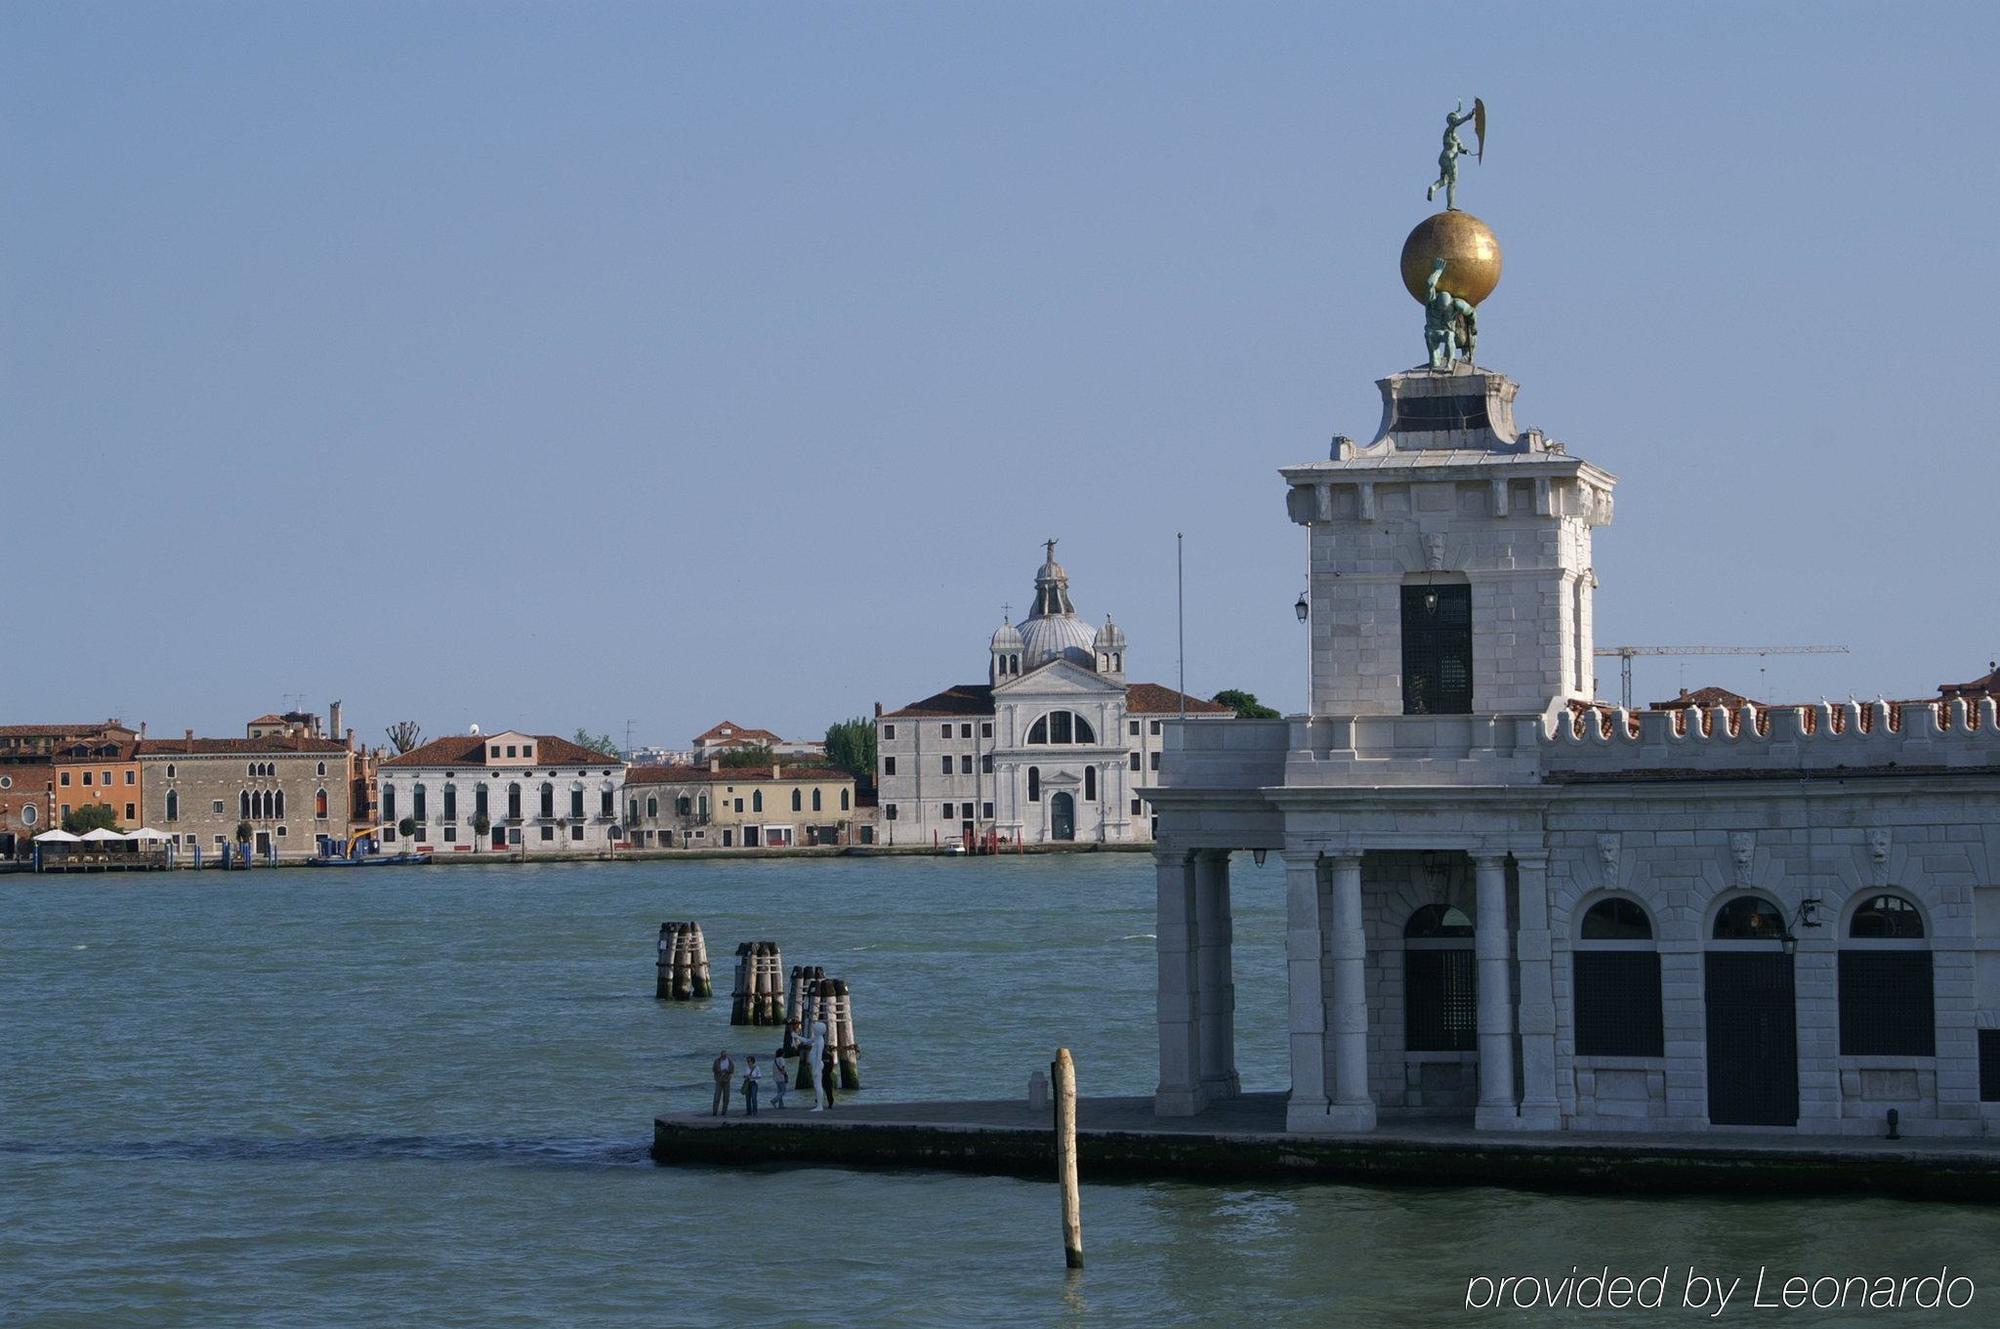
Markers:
point(533, 793)
point(1054, 746)
point(1513, 905)
point(100, 771)
point(295, 792)
point(755, 807)
point(729, 736)
point(28, 804)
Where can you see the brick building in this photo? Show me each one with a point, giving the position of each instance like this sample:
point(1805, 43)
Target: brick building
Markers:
point(292, 790)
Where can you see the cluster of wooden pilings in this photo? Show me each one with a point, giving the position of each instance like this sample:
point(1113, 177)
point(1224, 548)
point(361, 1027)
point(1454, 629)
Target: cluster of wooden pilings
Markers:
point(683, 964)
point(815, 997)
point(759, 995)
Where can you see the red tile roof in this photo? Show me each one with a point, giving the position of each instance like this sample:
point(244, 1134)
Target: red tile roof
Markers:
point(1710, 696)
point(729, 774)
point(737, 734)
point(1153, 699)
point(274, 744)
point(57, 731)
point(964, 699)
point(83, 751)
point(470, 750)
point(1985, 686)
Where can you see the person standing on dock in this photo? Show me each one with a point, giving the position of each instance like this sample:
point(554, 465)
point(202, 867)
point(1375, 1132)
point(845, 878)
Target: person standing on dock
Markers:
point(725, 1070)
point(813, 1052)
point(752, 1073)
point(827, 1071)
point(781, 1079)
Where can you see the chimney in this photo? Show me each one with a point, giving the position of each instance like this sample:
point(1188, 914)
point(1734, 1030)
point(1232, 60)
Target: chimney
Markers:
point(777, 771)
point(142, 728)
point(878, 710)
point(190, 735)
point(350, 737)
point(333, 719)
point(715, 763)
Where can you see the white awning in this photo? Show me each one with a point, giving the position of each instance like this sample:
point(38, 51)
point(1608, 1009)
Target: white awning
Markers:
point(58, 835)
point(102, 833)
point(148, 833)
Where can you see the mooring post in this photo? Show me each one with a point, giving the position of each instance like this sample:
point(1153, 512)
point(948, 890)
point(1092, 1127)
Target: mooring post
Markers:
point(739, 989)
point(1064, 1073)
point(845, 1050)
point(703, 987)
point(663, 961)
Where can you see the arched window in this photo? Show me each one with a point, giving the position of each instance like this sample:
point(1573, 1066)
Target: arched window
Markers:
point(1034, 784)
point(479, 806)
point(319, 803)
point(1090, 784)
point(684, 806)
point(704, 807)
point(243, 805)
point(631, 809)
point(418, 806)
point(514, 802)
point(652, 806)
point(816, 806)
point(173, 805)
point(321, 770)
point(251, 770)
point(1617, 990)
point(1887, 1007)
point(170, 770)
point(843, 800)
point(798, 800)
point(576, 802)
point(756, 800)
point(389, 803)
point(278, 800)
point(450, 802)
point(1440, 982)
point(1749, 918)
point(1061, 727)
point(548, 801)
point(1013, 664)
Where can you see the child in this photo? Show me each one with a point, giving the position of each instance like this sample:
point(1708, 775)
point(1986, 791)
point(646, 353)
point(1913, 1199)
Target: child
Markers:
point(781, 1078)
point(751, 1075)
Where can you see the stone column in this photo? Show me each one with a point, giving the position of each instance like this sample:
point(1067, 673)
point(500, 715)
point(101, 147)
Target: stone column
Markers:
point(1310, 1107)
point(1179, 1093)
point(1214, 974)
point(1353, 1104)
point(1496, 1001)
point(1539, 1110)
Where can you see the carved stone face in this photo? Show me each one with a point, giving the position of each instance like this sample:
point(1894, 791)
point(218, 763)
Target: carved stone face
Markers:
point(1878, 846)
point(1742, 846)
point(1434, 553)
point(1607, 854)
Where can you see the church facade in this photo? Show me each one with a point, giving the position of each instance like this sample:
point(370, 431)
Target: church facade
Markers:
point(1052, 748)
point(1511, 904)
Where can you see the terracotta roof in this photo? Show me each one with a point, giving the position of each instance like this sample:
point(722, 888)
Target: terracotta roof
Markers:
point(83, 751)
point(1985, 686)
point(962, 699)
point(52, 730)
point(276, 743)
point(1153, 699)
point(736, 734)
point(1706, 697)
point(470, 750)
point(729, 774)
point(269, 719)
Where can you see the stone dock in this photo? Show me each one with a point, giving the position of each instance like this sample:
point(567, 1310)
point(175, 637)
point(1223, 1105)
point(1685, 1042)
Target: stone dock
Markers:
point(1244, 1139)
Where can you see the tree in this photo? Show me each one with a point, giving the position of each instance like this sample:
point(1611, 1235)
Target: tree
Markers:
point(244, 830)
point(850, 745)
point(91, 817)
point(481, 823)
point(1245, 704)
point(736, 758)
point(407, 828)
point(404, 735)
point(597, 743)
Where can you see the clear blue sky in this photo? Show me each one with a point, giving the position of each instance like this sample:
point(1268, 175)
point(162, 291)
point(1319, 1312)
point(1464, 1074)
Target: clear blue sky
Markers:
point(558, 365)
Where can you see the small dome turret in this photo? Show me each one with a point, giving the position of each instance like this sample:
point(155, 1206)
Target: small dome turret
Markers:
point(1110, 648)
point(1007, 649)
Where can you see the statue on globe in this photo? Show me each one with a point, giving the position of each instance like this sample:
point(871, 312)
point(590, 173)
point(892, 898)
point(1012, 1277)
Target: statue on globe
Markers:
point(1454, 149)
point(1451, 325)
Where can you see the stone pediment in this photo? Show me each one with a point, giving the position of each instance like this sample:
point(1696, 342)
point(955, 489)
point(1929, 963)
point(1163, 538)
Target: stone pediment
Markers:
point(1058, 679)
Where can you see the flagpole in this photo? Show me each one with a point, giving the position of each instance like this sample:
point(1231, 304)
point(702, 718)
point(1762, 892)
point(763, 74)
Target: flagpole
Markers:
point(1180, 615)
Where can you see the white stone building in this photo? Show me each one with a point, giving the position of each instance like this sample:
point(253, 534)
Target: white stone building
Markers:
point(1053, 747)
point(1510, 904)
point(532, 793)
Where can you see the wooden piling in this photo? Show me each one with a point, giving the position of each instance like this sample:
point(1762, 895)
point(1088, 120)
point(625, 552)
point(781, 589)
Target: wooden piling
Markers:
point(809, 978)
point(683, 964)
point(1064, 1074)
point(847, 1053)
point(757, 995)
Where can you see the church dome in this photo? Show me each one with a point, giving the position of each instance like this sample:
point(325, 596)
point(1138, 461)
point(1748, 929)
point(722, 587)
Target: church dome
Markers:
point(1008, 638)
point(1110, 637)
point(1053, 631)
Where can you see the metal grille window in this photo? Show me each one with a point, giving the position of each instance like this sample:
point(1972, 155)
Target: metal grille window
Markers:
point(1886, 1009)
point(1989, 1065)
point(1437, 650)
point(1440, 982)
point(1425, 414)
point(1618, 1004)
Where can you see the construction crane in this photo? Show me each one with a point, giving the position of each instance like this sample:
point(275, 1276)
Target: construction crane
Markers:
point(1626, 653)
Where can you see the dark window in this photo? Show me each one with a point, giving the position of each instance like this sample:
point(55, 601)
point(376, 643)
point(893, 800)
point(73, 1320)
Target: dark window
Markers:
point(797, 795)
point(1132, 728)
point(1989, 1065)
point(514, 802)
point(528, 751)
point(1435, 921)
point(1618, 1004)
point(576, 832)
point(1060, 730)
point(986, 763)
point(945, 764)
point(888, 733)
point(986, 729)
point(1887, 917)
point(451, 802)
point(888, 765)
point(576, 804)
point(480, 807)
point(173, 805)
point(1886, 1008)
point(1425, 414)
point(548, 802)
point(548, 832)
point(947, 812)
point(1034, 784)
point(1154, 727)
point(756, 800)
point(944, 730)
point(888, 811)
point(1135, 761)
point(1617, 920)
point(1440, 1001)
point(965, 764)
point(243, 803)
point(986, 811)
point(1437, 650)
point(843, 800)
point(605, 802)
point(1135, 807)
point(1153, 760)
point(652, 806)
point(1090, 784)
point(1748, 918)
point(965, 731)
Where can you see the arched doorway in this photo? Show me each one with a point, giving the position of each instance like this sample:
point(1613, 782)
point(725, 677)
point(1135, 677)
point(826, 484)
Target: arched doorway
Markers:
point(1753, 1036)
point(1062, 816)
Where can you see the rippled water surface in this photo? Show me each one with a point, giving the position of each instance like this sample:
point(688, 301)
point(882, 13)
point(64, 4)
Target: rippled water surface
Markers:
point(424, 1097)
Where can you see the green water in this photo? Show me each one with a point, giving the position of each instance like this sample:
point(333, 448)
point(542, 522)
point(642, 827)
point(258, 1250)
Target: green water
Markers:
point(424, 1096)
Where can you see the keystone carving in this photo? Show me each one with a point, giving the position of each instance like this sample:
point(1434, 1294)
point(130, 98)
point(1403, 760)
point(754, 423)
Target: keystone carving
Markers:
point(1607, 856)
point(1878, 855)
point(1742, 848)
point(1434, 553)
